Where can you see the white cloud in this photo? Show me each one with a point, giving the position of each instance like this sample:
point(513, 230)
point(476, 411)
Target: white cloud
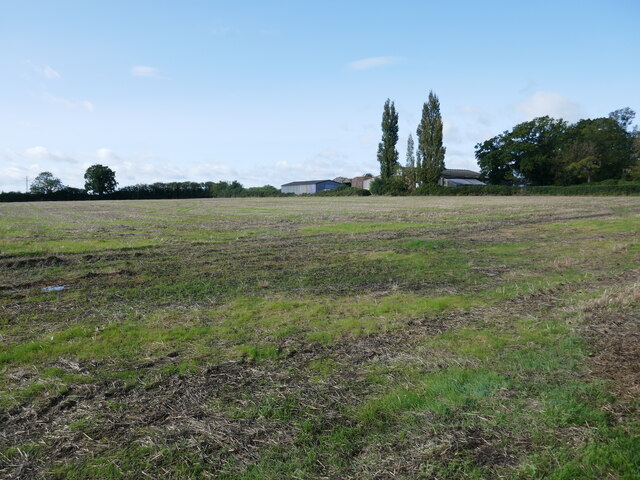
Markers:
point(68, 104)
point(549, 103)
point(45, 71)
point(130, 170)
point(373, 62)
point(42, 154)
point(144, 71)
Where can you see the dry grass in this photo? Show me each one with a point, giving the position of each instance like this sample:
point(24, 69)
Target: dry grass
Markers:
point(319, 338)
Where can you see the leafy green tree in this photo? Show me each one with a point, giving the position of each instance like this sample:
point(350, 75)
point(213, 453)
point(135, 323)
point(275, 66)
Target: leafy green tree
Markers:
point(585, 167)
point(394, 185)
point(224, 189)
point(612, 144)
point(387, 153)
point(536, 146)
point(528, 153)
point(430, 149)
point(45, 183)
point(100, 180)
point(581, 161)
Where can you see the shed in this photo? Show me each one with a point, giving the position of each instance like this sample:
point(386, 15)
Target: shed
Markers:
point(309, 186)
point(458, 178)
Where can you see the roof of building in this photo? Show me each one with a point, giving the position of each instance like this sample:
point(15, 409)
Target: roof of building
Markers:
point(342, 180)
point(465, 181)
point(457, 173)
point(306, 182)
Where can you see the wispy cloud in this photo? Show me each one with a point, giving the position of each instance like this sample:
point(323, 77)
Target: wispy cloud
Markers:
point(45, 71)
point(68, 104)
point(549, 103)
point(144, 71)
point(373, 62)
point(130, 169)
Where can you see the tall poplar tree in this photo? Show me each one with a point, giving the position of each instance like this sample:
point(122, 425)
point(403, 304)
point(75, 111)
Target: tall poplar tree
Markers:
point(387, 153)
point(410, 166)
point(430, 149)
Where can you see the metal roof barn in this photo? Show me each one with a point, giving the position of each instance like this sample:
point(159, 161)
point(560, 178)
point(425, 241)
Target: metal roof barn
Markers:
point(451, 177)
point(309, 186)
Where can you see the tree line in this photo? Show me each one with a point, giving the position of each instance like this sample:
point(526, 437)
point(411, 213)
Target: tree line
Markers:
point(424, 164)
point(548, 151)
point(100, 182)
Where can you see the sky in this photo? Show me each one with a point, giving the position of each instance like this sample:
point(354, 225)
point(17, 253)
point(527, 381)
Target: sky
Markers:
point(280, 91)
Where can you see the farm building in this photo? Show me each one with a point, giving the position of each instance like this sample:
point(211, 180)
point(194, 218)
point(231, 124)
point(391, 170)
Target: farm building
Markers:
point(343, 180)
point(459, 178)
point(310, 186)
point(362, 182)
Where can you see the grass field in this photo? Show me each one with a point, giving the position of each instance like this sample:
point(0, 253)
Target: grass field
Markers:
point(367, 337)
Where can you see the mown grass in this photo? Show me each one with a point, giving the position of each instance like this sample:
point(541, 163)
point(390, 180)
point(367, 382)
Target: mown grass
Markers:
point(312, 338)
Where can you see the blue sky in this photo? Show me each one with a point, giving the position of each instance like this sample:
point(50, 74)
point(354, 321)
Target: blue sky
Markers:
point(272, 92)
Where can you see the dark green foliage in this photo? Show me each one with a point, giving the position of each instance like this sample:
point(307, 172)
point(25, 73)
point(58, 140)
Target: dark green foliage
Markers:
point(235, 189)
point(100, 180)
point(546, 151)
point(389, 186)
point(526, 154)
point(611, 147)
point(157, 190)
point(66, 193)
point(621, 188)
point(160, 190)
point(45, 183)
point(226, 189)
point(430, 149)
point(344, 191)
point(387, 153)
point(266, 191)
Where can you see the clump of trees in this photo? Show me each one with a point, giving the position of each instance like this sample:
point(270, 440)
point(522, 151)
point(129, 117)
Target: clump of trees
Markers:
point(100, 182)
point(548, 151)
point(235, 189)
point(423, 165)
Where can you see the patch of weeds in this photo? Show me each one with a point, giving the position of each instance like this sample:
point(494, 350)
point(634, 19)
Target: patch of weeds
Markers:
point(323, 368)
point(258, 353)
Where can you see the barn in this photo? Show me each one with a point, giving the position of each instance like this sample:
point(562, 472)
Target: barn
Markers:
point(309, 186)
point(459, 178)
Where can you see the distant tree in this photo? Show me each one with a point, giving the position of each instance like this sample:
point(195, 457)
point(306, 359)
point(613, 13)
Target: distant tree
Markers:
point(394, 185)
point(612, 144)
point(528, 153)
point(410, 171)
point(536, 146)
point(581, 162)
point(430, 148)
point(387, 153)
point(224, 189)
point(584, 168)
point(100, 180)
point(45, 183)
